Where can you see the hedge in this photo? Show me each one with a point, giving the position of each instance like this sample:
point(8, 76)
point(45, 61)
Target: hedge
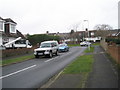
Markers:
point(114, 40)
point(38, 38)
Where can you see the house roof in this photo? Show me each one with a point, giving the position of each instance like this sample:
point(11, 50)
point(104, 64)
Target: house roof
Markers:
point(20, 34)
point(15, 35)
point(10, 20)
point(1, 18)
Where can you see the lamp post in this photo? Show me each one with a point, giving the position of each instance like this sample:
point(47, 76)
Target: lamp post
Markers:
point(87, 29)
point(87, 26)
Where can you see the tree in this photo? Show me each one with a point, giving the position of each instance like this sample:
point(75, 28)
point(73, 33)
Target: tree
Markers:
point(102, 30)
point(103, 27)
point(72, 31)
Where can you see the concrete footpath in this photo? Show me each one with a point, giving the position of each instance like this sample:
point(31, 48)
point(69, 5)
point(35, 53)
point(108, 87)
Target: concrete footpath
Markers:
point(103, 75)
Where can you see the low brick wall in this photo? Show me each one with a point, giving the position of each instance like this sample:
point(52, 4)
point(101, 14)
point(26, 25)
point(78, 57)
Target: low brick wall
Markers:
point(113, 50)
point(104, 45)
point(16, 52)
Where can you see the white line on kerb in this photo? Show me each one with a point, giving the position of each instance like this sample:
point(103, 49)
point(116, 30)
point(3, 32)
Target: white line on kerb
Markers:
point(18, 71)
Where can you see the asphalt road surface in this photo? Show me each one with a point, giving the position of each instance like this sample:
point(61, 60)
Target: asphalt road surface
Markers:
point(34, 73)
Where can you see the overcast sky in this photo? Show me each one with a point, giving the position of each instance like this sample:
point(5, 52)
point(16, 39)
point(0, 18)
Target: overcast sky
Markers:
point(39, 16)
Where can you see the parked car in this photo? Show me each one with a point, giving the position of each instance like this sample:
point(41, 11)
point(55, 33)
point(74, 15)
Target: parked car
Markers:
point(85, 43)
point(63, 47)
point(47, 48)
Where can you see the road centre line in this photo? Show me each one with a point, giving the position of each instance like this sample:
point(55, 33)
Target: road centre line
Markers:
point(17, 71)
point(51, 59)
point(58, 57)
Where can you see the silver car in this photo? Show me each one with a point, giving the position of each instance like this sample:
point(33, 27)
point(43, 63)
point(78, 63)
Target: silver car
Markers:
point(85, 43)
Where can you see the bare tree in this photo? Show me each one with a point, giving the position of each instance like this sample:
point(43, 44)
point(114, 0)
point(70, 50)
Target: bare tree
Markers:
point(102, 30)
point(103, 27)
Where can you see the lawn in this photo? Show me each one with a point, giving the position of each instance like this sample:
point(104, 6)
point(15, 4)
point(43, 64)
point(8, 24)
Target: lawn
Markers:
point(15, 60)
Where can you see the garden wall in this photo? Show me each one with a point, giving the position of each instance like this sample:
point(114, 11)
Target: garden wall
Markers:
point(113, 50)
point(16, 52)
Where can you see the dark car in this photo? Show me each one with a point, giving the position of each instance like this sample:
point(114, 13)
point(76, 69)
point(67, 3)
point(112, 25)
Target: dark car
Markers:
point(63, 47)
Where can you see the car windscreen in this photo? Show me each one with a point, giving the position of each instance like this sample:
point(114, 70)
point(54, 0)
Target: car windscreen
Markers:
point(44, 45)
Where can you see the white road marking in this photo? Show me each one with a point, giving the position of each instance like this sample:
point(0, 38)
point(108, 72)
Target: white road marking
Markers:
point(51, 59)
point(58, 57)
point(18, 71)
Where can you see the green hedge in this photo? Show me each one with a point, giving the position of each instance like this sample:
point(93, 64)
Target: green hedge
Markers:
point(38, 38)
point(114, 40)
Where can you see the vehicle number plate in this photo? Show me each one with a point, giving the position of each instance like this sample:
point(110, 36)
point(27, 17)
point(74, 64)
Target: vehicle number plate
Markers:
point(40, 53)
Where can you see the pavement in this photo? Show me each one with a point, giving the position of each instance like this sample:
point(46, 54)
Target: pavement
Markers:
point(104, 75)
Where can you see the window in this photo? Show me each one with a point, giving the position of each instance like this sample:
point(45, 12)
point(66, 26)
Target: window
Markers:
point(92, 33)
point(12, 28)
point(20, 42)
point(1, 26)
point(44, 45)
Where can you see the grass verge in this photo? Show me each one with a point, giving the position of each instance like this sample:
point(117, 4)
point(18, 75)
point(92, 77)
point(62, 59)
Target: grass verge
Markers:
point(96, 44)
point(72, 45)
point(16, 60)
point(83, 66)
point(89, 50)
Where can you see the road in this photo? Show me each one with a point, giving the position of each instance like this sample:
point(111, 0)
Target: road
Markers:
point(34, 73)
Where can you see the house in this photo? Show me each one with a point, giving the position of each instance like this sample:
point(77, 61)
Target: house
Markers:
point(1, 29)
point(8, 32)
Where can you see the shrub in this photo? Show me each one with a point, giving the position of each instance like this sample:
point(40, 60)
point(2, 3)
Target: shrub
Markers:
point(114, 40)
point(38, 38)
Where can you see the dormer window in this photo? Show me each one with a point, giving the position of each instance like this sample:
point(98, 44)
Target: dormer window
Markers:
point(12, 28)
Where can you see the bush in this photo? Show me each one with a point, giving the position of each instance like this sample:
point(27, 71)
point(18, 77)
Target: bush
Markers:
point(114, 40)
point(38, 38)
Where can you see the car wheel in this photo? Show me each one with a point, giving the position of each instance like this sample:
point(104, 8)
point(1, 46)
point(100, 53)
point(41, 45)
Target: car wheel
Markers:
point(56, 53)
point(36, 56)
point(50, 55)
point(68, 49)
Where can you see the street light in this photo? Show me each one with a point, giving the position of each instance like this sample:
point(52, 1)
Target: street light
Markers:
point(86, 29)
point(88, 32)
